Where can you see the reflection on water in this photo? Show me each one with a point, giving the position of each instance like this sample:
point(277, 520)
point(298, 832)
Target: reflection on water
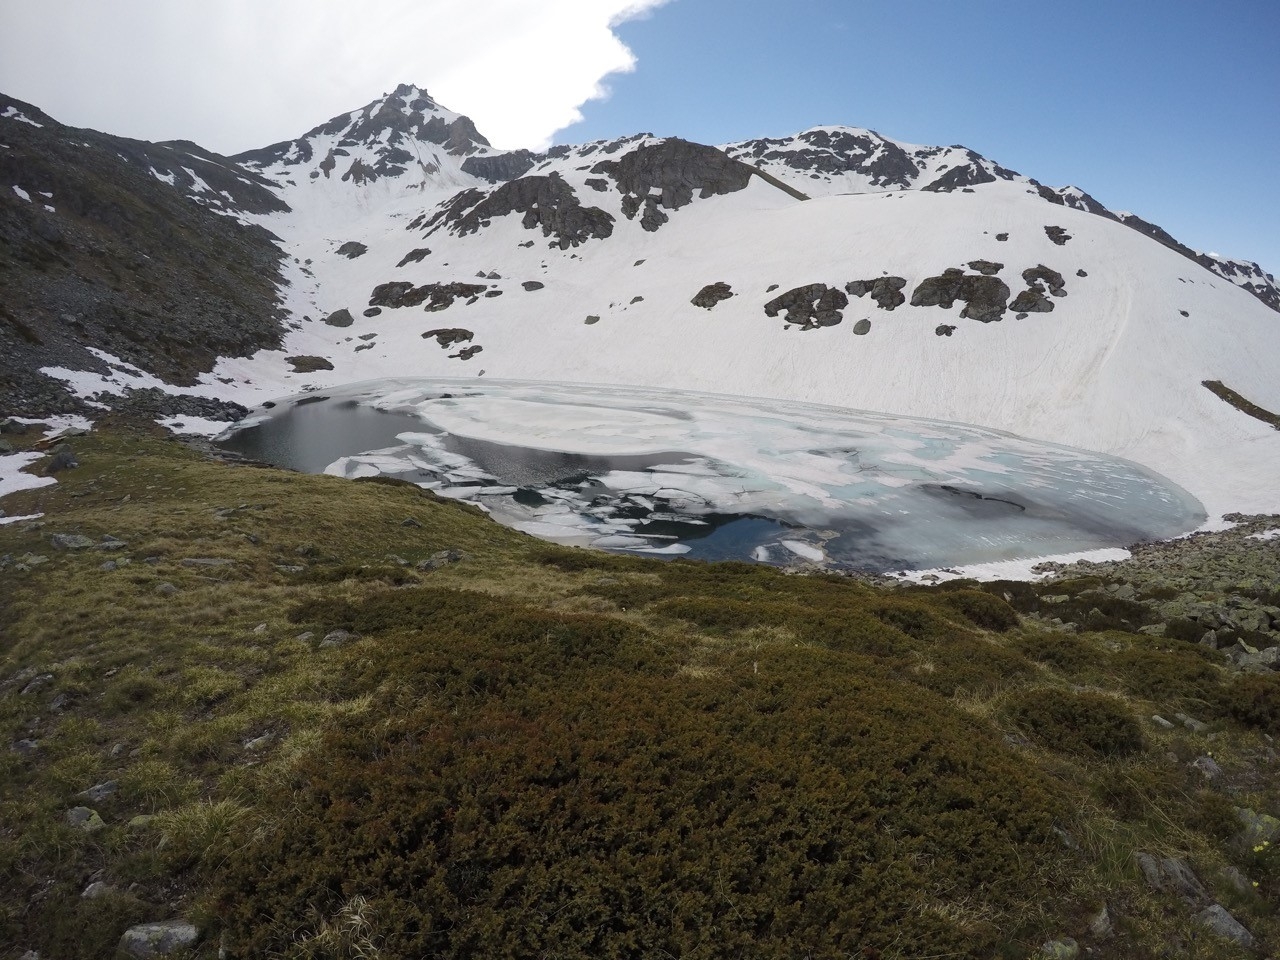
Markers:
point(714, 477)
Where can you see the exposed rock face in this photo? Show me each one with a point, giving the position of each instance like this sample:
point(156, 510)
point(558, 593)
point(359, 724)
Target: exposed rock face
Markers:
point(813, 305)
point(1035, 276)
point(974, 171)
point(834, 152)
point(466, 353)
point(988, 268)
point(712, 294)
point(885, 291)
point(340, 318)
point(500, 167)
point(985, 297)
point(309, 364)
point(1058, 235)
point(152, 402)
point(1031, 301)
point(448, 336)
point(675, 169)
point(437, 296)
point(547, 202)
point(159, 939)
point(352, 249)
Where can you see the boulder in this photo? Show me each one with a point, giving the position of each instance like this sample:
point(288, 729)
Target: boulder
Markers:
point(340, 318)
point(1217, 920)
point(1057, 234)
point(885, 291)
point(70, 541)
point(814, 304)
point(159, 939)
point(1167, 875)
point(352, 249)
point(862, 327)
point(309, 364)
point(448, 336)
point(414, 256)
point(531, 285)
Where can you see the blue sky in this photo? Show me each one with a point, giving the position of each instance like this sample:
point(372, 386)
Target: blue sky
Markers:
point(1166, 108)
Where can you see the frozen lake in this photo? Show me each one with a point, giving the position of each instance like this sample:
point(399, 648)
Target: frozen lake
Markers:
point(716, 477)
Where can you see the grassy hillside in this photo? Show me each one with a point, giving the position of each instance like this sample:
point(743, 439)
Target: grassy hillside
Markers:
point(347, 719)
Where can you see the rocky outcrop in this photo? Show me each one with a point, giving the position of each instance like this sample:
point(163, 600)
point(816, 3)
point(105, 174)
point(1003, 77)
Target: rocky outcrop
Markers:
point(531, 285)
point(809, 306)
point(885, 291)
point(448, 336)
point(352, 249)
point(500, 167)
point(1058, 235)
point(436, 296)
point(546, 202)
point(985, 297)
point(414, 256)
point(309, 364)
point(1031, 301)
point(664, 176)
point(1037, 275)
point(988, 268)
point(712, 294)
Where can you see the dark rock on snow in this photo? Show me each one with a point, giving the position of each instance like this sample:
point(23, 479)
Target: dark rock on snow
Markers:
point(712, 294)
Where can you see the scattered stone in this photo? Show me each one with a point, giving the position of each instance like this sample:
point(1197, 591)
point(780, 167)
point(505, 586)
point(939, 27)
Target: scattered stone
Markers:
point(372, 312)
point(1172, 876)
point(1081, 273)
point(25, 748)
point(1058, 235)
point(493, 293)
point(1153, 630)
point(637, 263)
point(441, 558)
point(340, 318)
point(109, 542)
point(1195, 726)
point(712, 294)
point(206, 562)
point(86, 819)
point(70, 541)
point(13, 427)
point(531, 285)
point(410, 522)
point(944, 330)
point(591, 319)
point(304, 637)
point(166, 589)
point(1100, 925)
point(1002, 237)
point(1030, 301)
point(1217, 920)
point(336, 638)
point(466, 353)
point(988, 268)
point(352, 249)
point(290, 568)
point(101, 792)
point(1161, 722)
point(1184, 313)
point(260, 628)
point(636, 299)
point(42, 680)
point(1208, 767)
point(1064, 949)
point(159, 939)
point(60, 702)
point(257, 743)
point(97, 889)
point(309, 364)
point(862, 327)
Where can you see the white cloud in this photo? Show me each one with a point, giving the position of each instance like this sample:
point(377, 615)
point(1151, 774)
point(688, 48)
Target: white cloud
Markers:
point(238, 74)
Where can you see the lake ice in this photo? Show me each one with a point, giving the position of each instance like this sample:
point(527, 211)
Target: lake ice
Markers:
point(718, 477)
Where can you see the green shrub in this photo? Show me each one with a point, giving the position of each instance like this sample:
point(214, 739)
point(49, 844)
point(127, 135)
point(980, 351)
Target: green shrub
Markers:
point(982, 609)
point(1090, 724)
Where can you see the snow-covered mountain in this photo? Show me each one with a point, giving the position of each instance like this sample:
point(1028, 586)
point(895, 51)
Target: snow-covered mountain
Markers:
point(837, 266)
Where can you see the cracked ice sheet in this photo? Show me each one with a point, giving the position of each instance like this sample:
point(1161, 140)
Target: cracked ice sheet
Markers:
point(905, 492)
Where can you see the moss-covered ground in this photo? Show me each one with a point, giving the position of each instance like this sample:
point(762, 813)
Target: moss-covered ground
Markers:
point(535, 751)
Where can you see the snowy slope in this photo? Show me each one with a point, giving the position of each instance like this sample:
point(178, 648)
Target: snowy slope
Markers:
point(581, 268)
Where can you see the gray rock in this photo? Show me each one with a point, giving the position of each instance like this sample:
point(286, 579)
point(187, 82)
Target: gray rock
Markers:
point(13, 427)
point(352, 249)
point(86, 819)
point(6, 446)
point(1064, 949)
point(414, 256)
point(159, 939)
point(591, 319)
point(309, 364)
point(944, 330)
point(64, 458)
point(548, 203)
point(101, 792)
point(70, 541)
point(336, 638)
point(448, 336)
point(97, 889)
point(811, 305)
point(531, 285)
point(1161, 722)
point(25, 748)
point(166, 589)
point(1258, 828)
point(1168, 875)
point(1058, 235)
point(206, 562)
point(441, 558)
point(1153, 630)
point(340, 318)
point(1100, 924)
point(1237, 880)
point(885, 291)
point(1208, 767)
point(1217, 920)
point(43, 680)
point(109, 542)
point(107, 566)
point(1192, 724)
point(862, 327)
